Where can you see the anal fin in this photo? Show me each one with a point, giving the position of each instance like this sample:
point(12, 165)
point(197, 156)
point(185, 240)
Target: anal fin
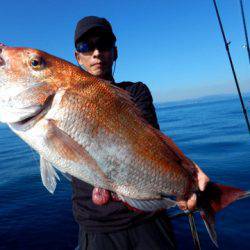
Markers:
point(149, 205)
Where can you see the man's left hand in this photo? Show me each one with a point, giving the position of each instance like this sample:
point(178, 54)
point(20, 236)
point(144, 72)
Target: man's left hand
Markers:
point(190, 204)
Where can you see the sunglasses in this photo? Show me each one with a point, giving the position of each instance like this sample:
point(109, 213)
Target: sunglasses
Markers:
point(100, 44)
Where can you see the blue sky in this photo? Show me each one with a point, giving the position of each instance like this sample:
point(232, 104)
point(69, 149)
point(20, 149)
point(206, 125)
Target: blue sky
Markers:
point(175, 47)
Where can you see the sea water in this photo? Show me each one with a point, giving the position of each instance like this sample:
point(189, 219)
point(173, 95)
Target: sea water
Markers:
point(211, 131)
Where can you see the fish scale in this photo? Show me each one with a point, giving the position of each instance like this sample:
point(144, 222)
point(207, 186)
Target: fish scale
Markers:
point(132, 168)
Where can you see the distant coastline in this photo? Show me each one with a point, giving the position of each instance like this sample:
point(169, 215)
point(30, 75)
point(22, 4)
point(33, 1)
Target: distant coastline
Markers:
point(205, 99)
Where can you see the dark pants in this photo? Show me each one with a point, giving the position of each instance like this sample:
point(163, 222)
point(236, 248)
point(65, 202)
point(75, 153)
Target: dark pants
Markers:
point(153, 235)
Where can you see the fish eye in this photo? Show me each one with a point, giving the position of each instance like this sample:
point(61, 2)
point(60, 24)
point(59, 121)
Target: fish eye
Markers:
point(37, 63)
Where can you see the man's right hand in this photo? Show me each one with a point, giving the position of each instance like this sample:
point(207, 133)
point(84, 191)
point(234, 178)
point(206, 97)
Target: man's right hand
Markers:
point(100, 196)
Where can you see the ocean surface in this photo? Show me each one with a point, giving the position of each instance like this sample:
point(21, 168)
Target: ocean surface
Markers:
point(210, 130)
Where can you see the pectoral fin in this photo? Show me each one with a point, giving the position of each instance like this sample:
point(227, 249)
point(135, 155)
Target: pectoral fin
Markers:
point(69, 149)
point(48, 175)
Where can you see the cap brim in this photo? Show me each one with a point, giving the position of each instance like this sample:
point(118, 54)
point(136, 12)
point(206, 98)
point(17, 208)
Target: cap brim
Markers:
point(84, 32)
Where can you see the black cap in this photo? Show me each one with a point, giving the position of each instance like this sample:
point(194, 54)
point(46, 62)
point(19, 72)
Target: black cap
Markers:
point(90, 22)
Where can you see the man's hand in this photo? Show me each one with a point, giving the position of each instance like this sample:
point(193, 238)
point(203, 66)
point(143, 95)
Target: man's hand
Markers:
point(100, 196)
point(190, 204)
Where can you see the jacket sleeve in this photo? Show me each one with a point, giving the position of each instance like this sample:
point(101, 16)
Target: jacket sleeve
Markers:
point(144, 101)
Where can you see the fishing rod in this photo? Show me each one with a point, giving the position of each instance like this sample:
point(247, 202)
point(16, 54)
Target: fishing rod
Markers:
point(232, 65)
point(192, 225)
point(245, 29)
point(194, 231)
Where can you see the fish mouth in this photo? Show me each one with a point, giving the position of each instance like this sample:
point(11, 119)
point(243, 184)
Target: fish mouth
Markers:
point(29, 122)
point(2, 61)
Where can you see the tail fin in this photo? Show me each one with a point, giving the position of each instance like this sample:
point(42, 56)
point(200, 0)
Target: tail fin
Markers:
point(213, 199)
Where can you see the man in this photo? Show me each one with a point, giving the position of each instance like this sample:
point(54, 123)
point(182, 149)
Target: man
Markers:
point(113, 225)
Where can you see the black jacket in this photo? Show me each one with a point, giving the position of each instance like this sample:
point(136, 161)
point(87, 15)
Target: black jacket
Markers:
point(114, 215)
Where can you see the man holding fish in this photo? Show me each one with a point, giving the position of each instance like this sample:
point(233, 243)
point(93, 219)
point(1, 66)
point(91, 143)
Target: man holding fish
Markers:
point(88, 127)
point(106, 223)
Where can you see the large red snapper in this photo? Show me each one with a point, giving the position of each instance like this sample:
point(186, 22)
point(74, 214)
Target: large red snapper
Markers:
point(90, 129)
